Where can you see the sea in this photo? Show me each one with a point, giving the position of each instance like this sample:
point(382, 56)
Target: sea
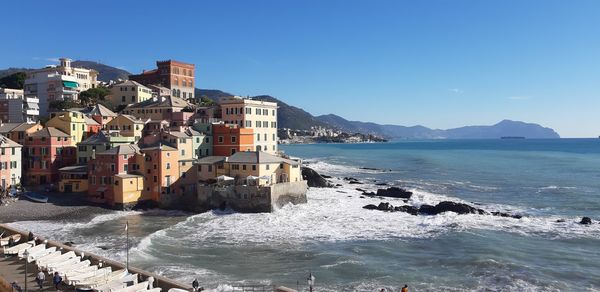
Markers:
point(551, 183)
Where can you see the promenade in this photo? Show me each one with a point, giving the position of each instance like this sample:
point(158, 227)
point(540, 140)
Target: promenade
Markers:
point(13, 270)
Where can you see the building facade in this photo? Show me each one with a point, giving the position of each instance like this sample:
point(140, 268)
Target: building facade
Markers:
point(260, 116)
point(10, 163)
point(48, 150)
point(16, 108)
point(62, 82)
point(128, 92)
point(179, 77)
point(229, 139)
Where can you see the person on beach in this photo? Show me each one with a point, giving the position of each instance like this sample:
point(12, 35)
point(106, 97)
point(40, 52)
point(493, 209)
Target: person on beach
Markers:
point(195, 285)
point(56, 280)
point(405, 288)
point(40, 278)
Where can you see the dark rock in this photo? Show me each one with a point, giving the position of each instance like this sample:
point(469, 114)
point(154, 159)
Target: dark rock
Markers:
point(104, 247)
point(560, 221)
point(370, 207)
point(314, 179)
point(502, 214)
point(586, 221)
point(381, 184)
point(370, 194)
point(360, 190)
point(385, 207)
point(341, 192)
point(407, 209)
point(350, 179)
point(447, 206)
point(353, 182)
point(326, 176)
point(368, 168)
point(362, 197)
point(394, 192)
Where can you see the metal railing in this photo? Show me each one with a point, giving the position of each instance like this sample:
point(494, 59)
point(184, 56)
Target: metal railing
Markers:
point(252, 288)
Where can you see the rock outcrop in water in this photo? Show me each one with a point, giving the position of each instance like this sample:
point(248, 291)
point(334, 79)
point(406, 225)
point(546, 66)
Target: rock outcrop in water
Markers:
point(442, 207)
point(314, 179)
point(391, 192)
point(586, 221)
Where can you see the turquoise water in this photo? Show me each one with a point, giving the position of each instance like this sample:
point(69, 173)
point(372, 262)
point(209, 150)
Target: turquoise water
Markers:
point(352, 249)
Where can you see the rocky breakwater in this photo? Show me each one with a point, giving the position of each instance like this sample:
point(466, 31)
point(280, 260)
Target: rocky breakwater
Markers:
point(314, 179)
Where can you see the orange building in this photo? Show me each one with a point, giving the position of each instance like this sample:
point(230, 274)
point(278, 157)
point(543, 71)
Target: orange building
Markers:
point(230, 138)
point(179, 77)
point(161, 171)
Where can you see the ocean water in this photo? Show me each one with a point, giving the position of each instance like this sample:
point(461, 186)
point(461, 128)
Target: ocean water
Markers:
point(348, 248)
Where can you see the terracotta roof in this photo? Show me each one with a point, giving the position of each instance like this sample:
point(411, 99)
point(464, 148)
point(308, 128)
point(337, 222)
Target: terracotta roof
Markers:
point(8, 127)
point(49, 132)
point(178, 134)
point(5, 142)
point(133, 119)
point(121, 150)
point(24, 126)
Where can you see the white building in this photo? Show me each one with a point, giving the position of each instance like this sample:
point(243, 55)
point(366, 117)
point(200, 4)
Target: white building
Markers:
point(10, 162)
point(261, 116)
point(61, 82)
point(16, 108)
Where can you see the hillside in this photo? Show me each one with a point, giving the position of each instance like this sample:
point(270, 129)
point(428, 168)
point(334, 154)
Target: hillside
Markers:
point(501, 129)
point(106, 73)
point(291, 116)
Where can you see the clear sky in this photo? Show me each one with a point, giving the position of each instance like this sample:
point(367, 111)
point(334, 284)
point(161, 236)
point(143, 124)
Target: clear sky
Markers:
point(440, 64)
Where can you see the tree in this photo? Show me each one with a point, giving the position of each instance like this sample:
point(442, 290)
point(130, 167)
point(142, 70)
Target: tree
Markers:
point(205, 101)
point(14, 81)
point(93, 95)
point(63, 104)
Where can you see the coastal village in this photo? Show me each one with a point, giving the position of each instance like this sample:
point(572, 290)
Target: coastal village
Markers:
point(149, 142)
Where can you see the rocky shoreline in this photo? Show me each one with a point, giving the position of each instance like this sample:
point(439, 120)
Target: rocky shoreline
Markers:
point(320, 181)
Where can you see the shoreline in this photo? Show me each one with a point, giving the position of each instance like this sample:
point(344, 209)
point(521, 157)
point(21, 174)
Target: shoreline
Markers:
point(59, 207)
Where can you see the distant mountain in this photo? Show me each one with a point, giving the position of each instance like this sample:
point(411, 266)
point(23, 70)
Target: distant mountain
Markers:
point(213, 94)
point(292, 117)
point(105, 72)
point(10, 71)
point(501, 129)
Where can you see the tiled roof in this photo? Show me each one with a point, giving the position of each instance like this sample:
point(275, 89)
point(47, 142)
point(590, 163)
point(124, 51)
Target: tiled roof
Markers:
point(211, 159)
point(98, 138)
point(24, 126)
point(5, 142)
point(178, 134)
point(121, 150)
point(257, 157)
point(133, 119)
point(159, 146)
point(100, 110)
point(90, 121)
point(49, 132)
point(8, 127)
point(169, 101)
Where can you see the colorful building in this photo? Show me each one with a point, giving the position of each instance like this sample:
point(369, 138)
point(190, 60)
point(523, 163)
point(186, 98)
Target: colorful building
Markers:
point(261, 116)
point(201, 143)
point(98, 143)
point(128, 92)
point(157, 108)
point(101, 114)
point(18, 132)
point(161, 171)
point(229, 139)
point(128, 190)
point(48, 150)
point(62, 82)
point(179, 77)
point(127, 126)
point(103, 168)
point(10, 163)
point(73, 179)
point(71, 122)
point(16, 108)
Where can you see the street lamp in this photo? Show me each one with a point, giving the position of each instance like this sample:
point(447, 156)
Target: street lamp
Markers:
point(26, 255)
point(311, 282)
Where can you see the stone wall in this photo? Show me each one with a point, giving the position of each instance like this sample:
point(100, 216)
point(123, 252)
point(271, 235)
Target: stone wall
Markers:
point(251, 199)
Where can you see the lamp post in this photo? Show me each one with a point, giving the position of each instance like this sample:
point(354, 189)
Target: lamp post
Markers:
point(26, 255)
point(311, 282)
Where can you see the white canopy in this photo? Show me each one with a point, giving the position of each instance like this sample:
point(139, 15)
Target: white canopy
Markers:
point(224, 178)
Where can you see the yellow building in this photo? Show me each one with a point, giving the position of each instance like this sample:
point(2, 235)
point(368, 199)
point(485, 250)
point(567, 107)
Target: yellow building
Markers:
point(71, 122)
point(129, 92)
point(127, 190)
point(250, 167)
point(73, 179)
point(127, 126)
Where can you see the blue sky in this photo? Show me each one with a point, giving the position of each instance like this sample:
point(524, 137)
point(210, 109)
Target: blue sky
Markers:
point(440, 64)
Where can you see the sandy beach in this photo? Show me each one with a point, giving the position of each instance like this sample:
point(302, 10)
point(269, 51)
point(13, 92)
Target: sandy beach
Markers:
point(59, 207)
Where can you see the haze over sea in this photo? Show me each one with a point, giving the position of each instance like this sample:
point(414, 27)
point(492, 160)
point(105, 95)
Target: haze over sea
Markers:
point(352, 249)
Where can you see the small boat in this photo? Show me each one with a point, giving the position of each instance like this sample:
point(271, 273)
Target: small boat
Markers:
point(36, 197)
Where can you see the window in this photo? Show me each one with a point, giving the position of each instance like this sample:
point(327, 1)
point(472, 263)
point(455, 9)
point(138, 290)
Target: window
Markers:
point(233, 139)
point(265, 137)
point(254, 167)
point(281, 165)
point(112, 167)
point(273, 112)
point(93, 180)
point(268, 166)
point(182, 152)
point(168, 165)
point(116, 182)
point(233, 151)
point(257, 137)
point(235, 166)
point(221, 139)
point(248, 111)
point(243, 167)
point(210, 168)
point(274, 138)
point(155, 178)
point(123, 98)
point(265, 112)
point(126, 167)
